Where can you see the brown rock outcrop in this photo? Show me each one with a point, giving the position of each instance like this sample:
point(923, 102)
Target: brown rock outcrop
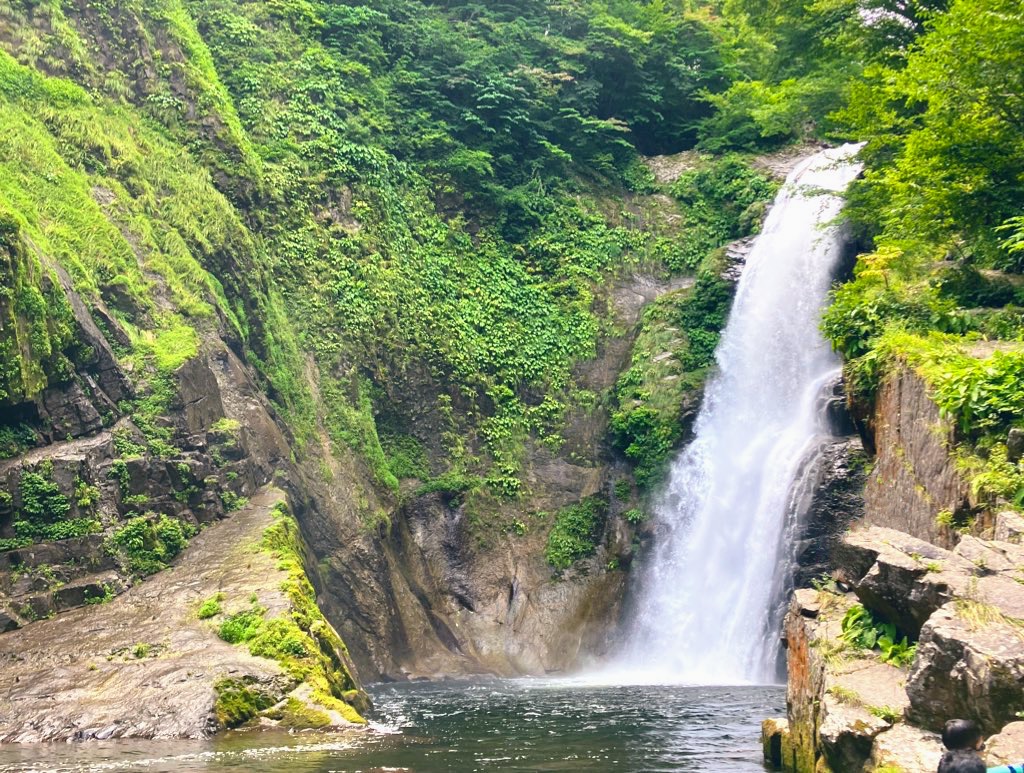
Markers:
point(914, 476)
point(144, 664)
point(970, 664)
point(848, 710)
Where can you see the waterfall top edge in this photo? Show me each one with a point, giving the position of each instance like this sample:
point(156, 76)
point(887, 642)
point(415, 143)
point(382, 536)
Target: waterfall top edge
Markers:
point(824, 161)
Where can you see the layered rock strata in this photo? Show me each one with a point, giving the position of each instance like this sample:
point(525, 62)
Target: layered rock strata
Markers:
point(850, 711)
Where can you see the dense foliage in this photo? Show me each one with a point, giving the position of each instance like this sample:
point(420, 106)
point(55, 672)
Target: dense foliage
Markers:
point(409, 216)
point(575, 532)
point(405, 214)
point(934, 90)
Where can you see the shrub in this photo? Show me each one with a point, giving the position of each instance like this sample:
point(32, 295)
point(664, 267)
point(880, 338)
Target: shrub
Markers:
point(242, 626)
point(635, 516)
point(861, 629)
point(147, 545)
point(210, 607)
point(646, 438)
point(575, 532)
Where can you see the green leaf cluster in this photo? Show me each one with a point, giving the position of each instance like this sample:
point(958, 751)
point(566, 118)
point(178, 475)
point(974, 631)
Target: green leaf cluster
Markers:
point(575, 532)
point(147, 543)
point(862, 630)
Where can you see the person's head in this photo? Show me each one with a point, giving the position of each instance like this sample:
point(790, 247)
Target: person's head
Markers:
point(961, 734)
point(961, 761)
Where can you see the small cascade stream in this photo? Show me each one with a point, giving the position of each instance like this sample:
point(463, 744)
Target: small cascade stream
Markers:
point(705, 610)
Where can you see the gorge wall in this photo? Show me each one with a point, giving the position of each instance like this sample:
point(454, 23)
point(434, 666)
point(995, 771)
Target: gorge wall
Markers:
point(955, 592)
point(914, 476)
point(435, 298)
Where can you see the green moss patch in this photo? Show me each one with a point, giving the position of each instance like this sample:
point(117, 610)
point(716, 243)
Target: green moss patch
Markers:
point(302, 641)
point(238, 702)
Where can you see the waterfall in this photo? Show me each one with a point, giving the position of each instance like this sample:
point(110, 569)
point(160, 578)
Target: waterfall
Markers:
point(705, 608)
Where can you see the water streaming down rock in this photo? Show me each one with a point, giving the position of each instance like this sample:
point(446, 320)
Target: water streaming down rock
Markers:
point(707, 591)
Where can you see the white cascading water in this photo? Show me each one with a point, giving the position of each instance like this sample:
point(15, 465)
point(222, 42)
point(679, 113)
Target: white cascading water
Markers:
point(704, 611)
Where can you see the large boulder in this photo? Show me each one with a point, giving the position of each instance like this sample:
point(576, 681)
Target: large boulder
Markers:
point(1006, 748)
point(970, 663)
point(847, 733)
point(901, 578)
point(1009, 527)
point(773, 732)
point(905, 748)
point(905, 580)
point(863, 697)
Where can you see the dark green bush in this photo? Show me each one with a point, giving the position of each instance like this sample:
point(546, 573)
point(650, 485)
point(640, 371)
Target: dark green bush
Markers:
point(575, 532)
point(148, 543)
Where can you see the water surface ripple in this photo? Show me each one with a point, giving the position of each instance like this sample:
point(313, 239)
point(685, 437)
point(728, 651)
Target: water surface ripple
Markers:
point(493, 725)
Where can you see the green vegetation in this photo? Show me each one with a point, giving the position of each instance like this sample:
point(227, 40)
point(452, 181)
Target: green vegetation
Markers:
point(634, 516)
point(376, 199)
point(575, 532)
point(887, 713)
point(44, 512)
point(932, 87)
point(106, 597)
point(242, 626)
point(238, 702)
point(675, 349)
point(298, 715)
point(302, 641)
point(147, 543)
point(211, 607)
point(862, 630)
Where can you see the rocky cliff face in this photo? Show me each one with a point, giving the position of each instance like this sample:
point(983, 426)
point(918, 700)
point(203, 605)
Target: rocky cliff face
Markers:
point(425, 591)
point(914, 477)
point(832, 494)
point(149, 663)
point(443, 587)
point(856, 703)
point(849, 709)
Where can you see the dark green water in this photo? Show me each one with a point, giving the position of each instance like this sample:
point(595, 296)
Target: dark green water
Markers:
point(499, 725)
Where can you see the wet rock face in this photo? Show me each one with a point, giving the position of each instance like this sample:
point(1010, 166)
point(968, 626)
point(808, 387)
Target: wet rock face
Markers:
point(69, 412)
point(832, 497)
point(459, 606)
point(106, 475)
point(143, 664)
point(837, 501)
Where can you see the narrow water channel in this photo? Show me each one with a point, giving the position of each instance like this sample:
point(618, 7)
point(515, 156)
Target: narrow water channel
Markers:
point(494, 725)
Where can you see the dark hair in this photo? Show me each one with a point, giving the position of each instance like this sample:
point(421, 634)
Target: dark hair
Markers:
point(960, 734)
point(961, 761)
